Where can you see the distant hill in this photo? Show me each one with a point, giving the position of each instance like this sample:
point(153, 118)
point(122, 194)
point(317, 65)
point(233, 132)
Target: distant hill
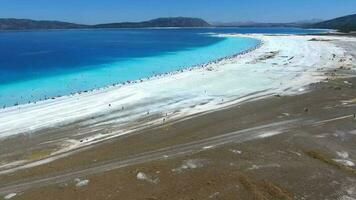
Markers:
point(345, 24)
point(27, 24)
point(159, 22)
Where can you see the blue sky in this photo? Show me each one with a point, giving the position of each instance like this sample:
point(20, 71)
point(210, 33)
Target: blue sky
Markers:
point(101, 11)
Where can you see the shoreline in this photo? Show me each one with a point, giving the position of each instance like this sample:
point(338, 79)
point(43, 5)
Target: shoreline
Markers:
point(116, 86)
point(153, 77)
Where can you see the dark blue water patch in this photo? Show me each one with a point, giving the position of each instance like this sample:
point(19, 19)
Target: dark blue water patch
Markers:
point(28, 55)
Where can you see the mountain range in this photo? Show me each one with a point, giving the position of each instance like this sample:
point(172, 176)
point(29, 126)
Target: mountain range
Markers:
point(345, 24)
point(27, 24)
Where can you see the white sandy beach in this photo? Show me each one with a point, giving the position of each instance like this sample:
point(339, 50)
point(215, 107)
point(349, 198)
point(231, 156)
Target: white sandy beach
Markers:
point(284, 64)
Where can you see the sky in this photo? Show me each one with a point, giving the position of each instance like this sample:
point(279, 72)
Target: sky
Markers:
point(104, 11)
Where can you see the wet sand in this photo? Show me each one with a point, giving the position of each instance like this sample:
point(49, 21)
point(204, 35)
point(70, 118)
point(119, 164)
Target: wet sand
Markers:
point(281, 147)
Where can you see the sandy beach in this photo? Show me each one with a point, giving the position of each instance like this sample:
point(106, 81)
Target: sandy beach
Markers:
point(274, 123)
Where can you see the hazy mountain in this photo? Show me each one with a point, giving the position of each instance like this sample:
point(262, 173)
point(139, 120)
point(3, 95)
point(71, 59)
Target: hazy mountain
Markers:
point(301, 23)
point(309, 21)
point(256, 24)
point(345, 24)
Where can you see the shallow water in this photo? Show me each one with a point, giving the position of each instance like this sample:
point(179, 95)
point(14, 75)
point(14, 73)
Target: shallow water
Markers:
point(42, 64)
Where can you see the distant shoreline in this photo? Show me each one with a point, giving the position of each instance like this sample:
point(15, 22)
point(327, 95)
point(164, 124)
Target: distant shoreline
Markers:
point(163, 28)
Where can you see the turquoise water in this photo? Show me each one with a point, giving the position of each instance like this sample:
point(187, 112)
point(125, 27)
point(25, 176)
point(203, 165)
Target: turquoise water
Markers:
point(36, 65)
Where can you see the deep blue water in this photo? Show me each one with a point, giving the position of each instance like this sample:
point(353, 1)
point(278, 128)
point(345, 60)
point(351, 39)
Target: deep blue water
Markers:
point(38, 64)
